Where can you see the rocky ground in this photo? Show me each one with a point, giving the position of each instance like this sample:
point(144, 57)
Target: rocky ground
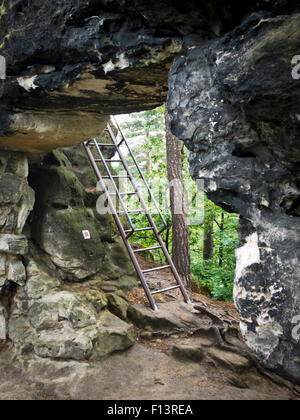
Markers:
point(181, 352)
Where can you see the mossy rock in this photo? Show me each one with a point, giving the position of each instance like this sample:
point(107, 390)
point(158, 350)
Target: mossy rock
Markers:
point(59, 234)
point(55, 183)
point(97, 298)
point(117, 305)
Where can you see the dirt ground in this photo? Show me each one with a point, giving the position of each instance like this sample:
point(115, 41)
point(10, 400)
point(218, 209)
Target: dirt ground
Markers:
point(147, 371)
point(141, 373)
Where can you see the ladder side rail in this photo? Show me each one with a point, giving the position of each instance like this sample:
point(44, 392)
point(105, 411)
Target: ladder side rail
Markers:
point(113, 183)
point(121, 230)
point(142, 175)
point(152, 223)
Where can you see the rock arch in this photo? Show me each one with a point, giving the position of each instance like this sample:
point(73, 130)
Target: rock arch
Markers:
point(232, 99)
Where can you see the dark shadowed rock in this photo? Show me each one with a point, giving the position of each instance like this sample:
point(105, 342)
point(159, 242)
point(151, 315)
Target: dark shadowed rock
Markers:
point(71, 64)
point(235, 103)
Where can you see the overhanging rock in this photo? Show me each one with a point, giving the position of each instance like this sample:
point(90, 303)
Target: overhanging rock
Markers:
point(71, 64)
point(236, 105)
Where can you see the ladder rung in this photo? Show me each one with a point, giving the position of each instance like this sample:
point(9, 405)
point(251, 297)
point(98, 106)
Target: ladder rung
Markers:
point(127, 193)
point(139, 230)
point(131, 211)
point(116, 176)
point(101, 145)
point(165, 290)
point(157, 268)
point(108, 160)
point(147, 249)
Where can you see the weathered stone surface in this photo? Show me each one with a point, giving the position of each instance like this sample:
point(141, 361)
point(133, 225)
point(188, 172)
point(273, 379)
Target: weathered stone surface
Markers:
point(25, 207)
point(113, 335)
point(59, 234)
point(235, 103)
point(11, 188)
point(56, 344)
point(193, 353)
point(229, 360)
point(124, 283)
point(53, 308)
point(97, 299)
point(117, 305)
point(3, 283)
point(50, 322)
point(73, 64)
point(3, 323)
point(2, 265)
point(94, 78)
point(62, 211)
point(39, 283)
point(171, 315)
point(16, 197)
point(58, 339)
point(13, 244)
point(16, 272)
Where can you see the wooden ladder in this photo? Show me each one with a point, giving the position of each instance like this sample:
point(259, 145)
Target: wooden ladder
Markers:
point(93, 146)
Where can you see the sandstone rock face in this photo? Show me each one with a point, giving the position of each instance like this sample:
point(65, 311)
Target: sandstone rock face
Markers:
point(37, 313)
point(51, 322)
point(83, 56)
point(64, 209)
point(3, 324)
point(236, 105)
point(16, 202)
point(232, 99)
point(71, 65)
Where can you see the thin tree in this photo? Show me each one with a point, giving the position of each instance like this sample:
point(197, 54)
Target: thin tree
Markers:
point(208, 242)
point(180, 230)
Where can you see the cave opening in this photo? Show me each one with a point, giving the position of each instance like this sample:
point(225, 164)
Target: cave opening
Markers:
point(212, 231)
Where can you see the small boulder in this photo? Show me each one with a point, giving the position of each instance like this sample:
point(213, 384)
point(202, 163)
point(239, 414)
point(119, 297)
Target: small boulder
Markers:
point(117, 305)
point(113, 334)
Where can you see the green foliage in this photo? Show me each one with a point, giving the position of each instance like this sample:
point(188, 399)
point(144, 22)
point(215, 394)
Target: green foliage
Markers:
point(218, 280)
point(146, 133)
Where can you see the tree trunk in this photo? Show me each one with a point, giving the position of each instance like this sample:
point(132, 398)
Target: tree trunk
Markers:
point(180, 232)
point(221, 247)
point(208, 245)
